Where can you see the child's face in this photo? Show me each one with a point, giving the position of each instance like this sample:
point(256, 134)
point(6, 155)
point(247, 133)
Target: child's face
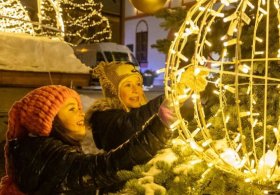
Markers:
point(131, 92)
point(72, 119)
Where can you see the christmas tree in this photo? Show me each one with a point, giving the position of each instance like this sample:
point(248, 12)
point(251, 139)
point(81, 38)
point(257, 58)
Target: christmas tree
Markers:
point(73, 21)
point(231, 144)
point(14, 18)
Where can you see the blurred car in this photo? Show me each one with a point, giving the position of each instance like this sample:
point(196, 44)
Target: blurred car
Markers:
point(94, 53)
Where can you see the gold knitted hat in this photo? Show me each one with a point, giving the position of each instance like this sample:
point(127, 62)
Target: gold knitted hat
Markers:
point(111, 75)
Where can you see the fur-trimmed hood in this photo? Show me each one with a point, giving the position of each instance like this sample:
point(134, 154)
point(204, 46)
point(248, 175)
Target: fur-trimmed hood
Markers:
point(102, 105)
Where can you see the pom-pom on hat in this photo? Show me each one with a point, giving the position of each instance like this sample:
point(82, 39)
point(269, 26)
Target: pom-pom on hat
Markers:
point(35, 112)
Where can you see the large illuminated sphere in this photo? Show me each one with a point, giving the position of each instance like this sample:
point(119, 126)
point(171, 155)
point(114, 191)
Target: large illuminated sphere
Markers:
point(238, 41)
point(148, 6)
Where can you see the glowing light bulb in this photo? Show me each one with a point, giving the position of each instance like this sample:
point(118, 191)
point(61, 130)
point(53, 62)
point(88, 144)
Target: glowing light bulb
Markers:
point(195, 97)
point(243, 114)
point(195, 146)
point(159, 71)
point(196, 71)
point(216, 92)
point(259, 139)
point(244, 68)
point(207, 142)
point(230, 89)
point(225, 2)
point(227, 119)
point(208, 43)
point(259, 39)
point(237, 138)
point(263, 11)
point(231, 157)
point(247, 180)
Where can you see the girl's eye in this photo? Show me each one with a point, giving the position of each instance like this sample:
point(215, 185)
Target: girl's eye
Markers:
point(139, 84)
point(127, 85)
point(72, 109)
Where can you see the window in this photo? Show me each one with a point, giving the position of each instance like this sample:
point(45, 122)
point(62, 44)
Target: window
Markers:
point(142, 43)
point(109, 56)
point(120, 56)
point(99, 57)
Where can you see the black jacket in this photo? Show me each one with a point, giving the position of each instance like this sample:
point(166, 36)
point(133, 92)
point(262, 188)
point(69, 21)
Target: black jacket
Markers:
point(111, 128)
point(46, 165)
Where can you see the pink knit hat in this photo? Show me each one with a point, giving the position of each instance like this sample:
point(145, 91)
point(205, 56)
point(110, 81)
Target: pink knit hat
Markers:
point(34, 114)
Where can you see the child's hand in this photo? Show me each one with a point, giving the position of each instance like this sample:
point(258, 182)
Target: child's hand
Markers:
point(167, 113)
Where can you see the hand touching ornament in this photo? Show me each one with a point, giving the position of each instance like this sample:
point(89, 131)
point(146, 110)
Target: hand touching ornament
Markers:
point(167, 113)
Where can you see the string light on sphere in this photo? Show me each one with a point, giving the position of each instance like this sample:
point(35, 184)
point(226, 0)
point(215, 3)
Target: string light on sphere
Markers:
point(245, 84)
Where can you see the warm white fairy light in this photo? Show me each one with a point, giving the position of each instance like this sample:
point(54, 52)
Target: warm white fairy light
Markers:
point(216, 92)
point(237, 138)
point(159, 71)
point(195, 97)
point(276, 132)
point(229, 88)
point(230, 42)
point(248, 180)
point(195, 146)
point(259, 139)
point(225, 2)
point(255, 122)
point(184, 58)
point(225, 52)
point(195, 132)
point(238, 147)
point(208, 43)
point(207, 142)
point(263, 11)
point(259, 52)
point(259, 39)
point(248, 113)
point(244, 68)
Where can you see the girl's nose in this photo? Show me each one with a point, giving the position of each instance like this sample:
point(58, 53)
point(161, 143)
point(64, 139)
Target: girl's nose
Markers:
point(134, 88)
point(82, 113)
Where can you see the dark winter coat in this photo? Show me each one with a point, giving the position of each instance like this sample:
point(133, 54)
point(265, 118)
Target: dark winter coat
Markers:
point(112, 127)
point(46, 165)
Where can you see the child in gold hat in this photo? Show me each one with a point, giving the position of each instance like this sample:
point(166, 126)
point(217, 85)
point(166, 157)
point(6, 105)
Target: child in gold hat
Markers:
point(124, 109)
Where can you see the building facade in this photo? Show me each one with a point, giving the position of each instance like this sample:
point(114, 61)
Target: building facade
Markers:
point(143, 30)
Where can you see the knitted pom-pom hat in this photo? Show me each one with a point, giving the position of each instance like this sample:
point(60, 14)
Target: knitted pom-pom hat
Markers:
point(111, 75)
point(33, 114)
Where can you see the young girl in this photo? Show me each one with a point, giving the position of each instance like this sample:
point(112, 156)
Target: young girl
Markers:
point(43, 154)
point(124, 109)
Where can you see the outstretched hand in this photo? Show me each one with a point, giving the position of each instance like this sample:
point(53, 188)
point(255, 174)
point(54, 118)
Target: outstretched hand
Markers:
point(167, 113)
